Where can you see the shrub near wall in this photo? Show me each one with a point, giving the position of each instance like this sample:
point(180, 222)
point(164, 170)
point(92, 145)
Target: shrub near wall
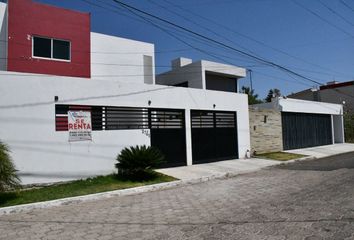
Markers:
point(138, 161)
point(349, 127)
point(8, 174)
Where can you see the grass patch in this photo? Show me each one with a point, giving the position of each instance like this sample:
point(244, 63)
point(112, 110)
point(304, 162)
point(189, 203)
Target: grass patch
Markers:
point(280, 156)
point(78, 188)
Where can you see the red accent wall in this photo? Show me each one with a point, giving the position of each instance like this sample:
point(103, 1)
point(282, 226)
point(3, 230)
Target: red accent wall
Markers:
point(27, 18)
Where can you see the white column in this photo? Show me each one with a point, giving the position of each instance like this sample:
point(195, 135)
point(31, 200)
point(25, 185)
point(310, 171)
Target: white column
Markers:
point(342, 126)
point(188, 136)
point(332, 123)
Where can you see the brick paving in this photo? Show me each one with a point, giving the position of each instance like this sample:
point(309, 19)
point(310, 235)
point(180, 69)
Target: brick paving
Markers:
point(273, 203)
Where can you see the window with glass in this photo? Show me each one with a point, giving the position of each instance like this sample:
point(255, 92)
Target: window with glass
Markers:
point(51, 48)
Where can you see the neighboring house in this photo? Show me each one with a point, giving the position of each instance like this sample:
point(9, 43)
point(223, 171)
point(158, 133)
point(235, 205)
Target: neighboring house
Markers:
point(203, 75)
point(50, 71)
point(295, 124)
point(65, 45)
point(332, 92)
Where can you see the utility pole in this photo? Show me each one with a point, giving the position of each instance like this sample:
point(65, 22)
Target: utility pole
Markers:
point(250, 73)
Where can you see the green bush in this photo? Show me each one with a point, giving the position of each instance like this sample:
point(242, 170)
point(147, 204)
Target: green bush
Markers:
point(8, 177)
point(138, 161)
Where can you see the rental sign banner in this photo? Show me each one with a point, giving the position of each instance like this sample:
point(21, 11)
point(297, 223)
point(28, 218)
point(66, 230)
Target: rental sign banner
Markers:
point(79, 126)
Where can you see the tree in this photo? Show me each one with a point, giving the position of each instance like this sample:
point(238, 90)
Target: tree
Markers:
point(272, 93)
point(252, 97)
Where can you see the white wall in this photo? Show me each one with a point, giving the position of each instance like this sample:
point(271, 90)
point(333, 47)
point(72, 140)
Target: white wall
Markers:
point(114, 58)
point(296, 105)
point(192, 73)
point(223, 69)
point(3, 36)
point(27, 121)
point(302, 106)
point(338, 129)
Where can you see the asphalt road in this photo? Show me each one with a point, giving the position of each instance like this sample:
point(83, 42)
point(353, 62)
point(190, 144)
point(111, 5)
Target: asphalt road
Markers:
point(307, 200)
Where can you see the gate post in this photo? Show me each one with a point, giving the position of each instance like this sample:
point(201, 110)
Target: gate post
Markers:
point(332, 125)
point(188, 136)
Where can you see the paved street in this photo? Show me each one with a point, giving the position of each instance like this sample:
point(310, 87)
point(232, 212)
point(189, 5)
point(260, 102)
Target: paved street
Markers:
point(298, 201)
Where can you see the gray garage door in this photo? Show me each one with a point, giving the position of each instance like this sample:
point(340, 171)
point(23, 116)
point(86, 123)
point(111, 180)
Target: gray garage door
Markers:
point(301, 130)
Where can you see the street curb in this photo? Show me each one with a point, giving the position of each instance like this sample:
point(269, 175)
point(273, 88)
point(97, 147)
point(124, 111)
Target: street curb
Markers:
point(103, 195)
point(300, 159)
point(130, 191)
point(282, 163)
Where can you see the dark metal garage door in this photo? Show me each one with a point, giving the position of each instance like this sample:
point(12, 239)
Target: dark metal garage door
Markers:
point(214, 136)
point(301, 130)
point(168, 134)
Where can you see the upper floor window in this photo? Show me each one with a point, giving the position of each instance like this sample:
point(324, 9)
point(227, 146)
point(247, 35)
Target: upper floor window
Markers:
point(51, 48)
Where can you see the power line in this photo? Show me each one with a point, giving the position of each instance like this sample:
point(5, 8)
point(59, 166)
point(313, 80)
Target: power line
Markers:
point(214, 56)
point(176, 37)
point(335, 13)
point(216, 42)
point(108, 9)
point(82, 99)
point(283, 79)
point(201, 26)
point(247, 36)
point(287, 70)
point(224, 45)
point(110, 52)
point(346, 5)
point(97, 52)
point(219, 43)
point(179, 31)
point(217, 66)
point(322, 18)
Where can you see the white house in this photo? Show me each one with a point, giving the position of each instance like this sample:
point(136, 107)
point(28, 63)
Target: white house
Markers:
point(62, 68)
point(307, 123)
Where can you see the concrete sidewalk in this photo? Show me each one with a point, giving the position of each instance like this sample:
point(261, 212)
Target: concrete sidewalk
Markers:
point(218, 169)
point(325, 151)
point(239, 166)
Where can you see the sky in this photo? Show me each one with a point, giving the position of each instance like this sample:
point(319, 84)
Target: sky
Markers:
point(312, 38)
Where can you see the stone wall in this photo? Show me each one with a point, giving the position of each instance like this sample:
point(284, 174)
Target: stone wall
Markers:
point(266, 130)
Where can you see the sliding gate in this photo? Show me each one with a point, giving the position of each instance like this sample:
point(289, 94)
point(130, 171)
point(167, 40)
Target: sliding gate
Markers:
point(214, 136)
point(168, 134)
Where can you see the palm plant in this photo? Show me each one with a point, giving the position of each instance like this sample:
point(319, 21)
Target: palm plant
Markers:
point(8, 174)
point(138, 160)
